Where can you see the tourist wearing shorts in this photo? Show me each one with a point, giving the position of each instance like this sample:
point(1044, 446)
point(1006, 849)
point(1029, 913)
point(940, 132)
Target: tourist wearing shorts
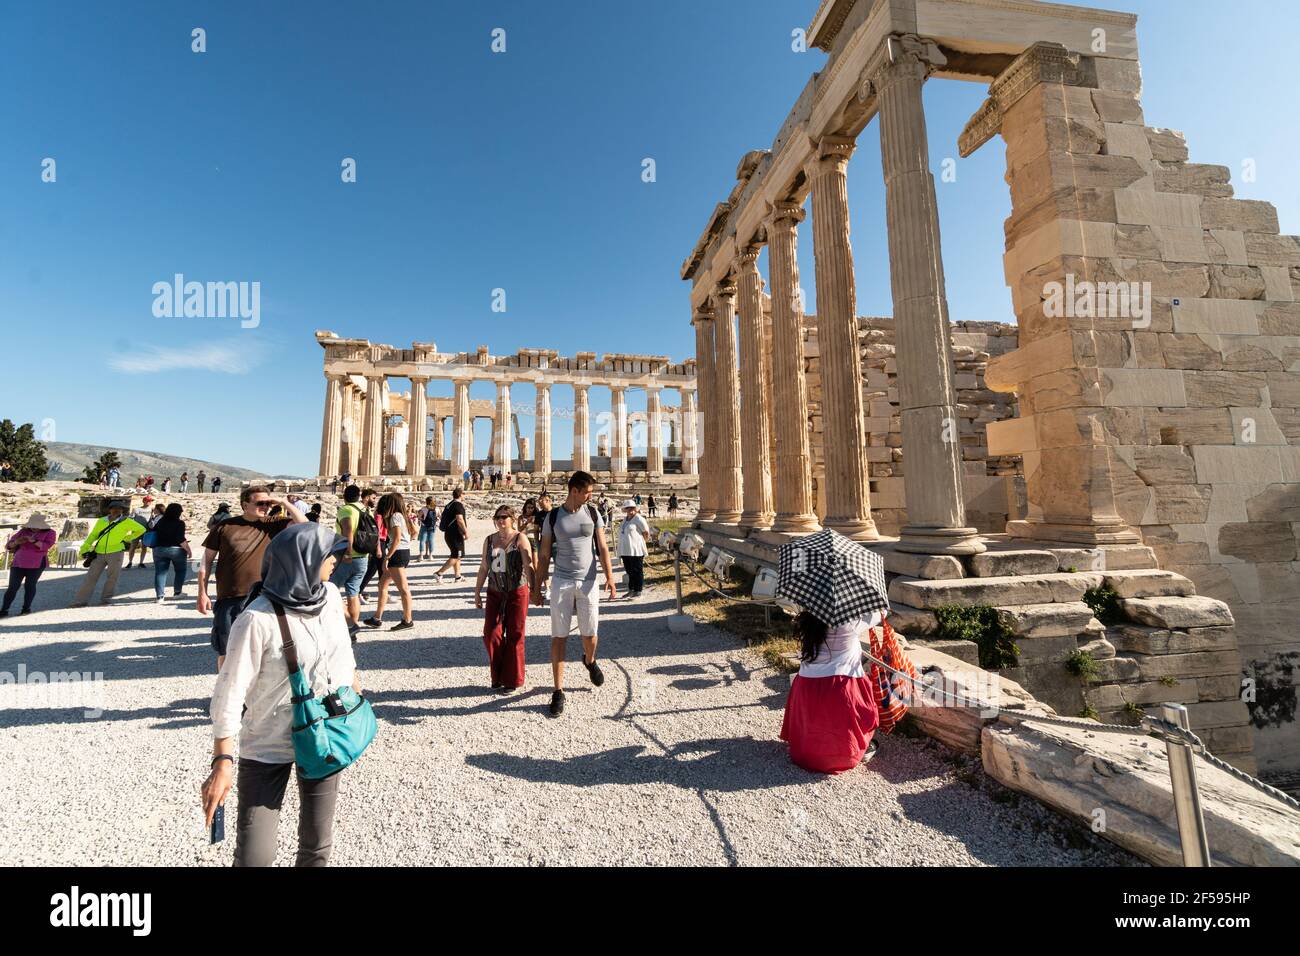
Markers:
point(391, 514)
point(237, 546)
point(454, 532)
point(573, 534)
point(350, 570)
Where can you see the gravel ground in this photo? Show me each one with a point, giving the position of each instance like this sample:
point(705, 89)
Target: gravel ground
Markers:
point(675, 760)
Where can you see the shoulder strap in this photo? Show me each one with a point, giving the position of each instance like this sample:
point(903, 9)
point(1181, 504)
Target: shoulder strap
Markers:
point(550, 519)
point(290, 649)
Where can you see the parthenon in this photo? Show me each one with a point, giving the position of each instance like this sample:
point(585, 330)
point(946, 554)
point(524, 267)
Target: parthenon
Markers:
point(369, 431)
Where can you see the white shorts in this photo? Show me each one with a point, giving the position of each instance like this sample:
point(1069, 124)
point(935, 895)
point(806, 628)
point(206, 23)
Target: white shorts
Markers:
point(567, 597)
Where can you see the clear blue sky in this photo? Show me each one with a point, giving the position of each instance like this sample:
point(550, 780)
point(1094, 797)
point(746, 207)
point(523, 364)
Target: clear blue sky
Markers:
point(476, 171)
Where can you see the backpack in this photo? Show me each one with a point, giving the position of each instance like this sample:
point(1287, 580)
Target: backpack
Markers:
point(448, 519)
point(365, 540)
point(595, 519)
point(429, 519)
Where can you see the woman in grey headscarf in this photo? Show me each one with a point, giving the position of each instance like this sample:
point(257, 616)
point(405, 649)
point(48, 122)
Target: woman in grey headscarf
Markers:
point(252, 696)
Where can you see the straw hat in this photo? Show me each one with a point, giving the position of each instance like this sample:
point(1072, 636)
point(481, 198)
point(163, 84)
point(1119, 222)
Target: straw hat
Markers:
point(37, 522)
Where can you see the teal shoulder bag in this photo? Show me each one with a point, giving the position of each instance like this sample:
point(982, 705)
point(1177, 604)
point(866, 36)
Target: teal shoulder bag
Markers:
point(331, 731)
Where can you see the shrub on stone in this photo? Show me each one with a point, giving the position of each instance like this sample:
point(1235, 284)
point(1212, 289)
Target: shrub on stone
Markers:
point(1104, 602)
point(1082, 666)
point(983, 625)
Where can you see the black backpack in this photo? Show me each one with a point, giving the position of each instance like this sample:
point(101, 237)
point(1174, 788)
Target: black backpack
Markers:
point(595, 519)
point(448, 520)
point(365, 540)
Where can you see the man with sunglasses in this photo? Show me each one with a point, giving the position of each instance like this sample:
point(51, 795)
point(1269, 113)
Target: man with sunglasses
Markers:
point(237, 546)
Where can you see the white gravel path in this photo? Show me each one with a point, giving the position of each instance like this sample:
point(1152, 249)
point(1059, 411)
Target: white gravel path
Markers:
point(675, 760)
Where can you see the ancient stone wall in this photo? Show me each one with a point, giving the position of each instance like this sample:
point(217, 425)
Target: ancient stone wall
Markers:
point(991, 486)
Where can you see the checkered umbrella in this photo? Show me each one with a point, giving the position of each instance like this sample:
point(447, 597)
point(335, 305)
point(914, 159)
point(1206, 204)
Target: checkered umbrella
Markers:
point(832, 577)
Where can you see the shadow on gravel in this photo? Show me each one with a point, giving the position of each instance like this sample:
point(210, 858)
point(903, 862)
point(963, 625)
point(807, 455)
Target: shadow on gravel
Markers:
point(388, 711)
point(177, 715)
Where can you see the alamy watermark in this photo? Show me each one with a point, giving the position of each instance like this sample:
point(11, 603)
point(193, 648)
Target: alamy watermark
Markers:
point(59, 690)
point(1098, 300)
point(208, 300)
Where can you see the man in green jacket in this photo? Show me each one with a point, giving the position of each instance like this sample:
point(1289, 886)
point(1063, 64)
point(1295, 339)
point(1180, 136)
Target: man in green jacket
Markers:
point(108, 540)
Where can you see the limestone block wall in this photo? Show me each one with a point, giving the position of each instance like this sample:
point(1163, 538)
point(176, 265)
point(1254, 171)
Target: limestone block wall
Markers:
point(990, 481)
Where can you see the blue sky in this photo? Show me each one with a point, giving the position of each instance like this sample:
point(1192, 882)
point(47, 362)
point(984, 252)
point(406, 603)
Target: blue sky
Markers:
point(475, 171)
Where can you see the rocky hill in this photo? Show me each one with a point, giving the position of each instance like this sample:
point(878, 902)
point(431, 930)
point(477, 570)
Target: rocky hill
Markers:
point(68, 460)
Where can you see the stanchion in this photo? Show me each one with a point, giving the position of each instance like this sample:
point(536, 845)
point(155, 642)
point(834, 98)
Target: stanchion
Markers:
point(681, 622)
point(1187, 799)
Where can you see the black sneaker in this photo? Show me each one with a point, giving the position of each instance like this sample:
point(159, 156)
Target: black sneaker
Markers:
point(593, 669)
point(557, 703)
point(403, 626)
point(372, 622)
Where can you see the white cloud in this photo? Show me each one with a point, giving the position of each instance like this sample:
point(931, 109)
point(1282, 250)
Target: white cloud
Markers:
point(228, 357)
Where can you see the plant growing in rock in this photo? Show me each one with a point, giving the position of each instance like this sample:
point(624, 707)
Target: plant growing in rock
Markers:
point(1134, 712)
point(1168, 681)
point(1082, 666)
point(983, 625)
point(1089, 713)
point(1104, 602)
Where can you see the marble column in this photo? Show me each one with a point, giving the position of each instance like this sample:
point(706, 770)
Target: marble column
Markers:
point(932, 479)
point(756, 470)
point(331, 433)
point(654, 449)
point(417, 446)
point(581, 434)
point(706, 461)
point(542, 427)
point(439, 438)
point(462, 433)
point(690, 465)
point(792, 492)
point(356, 427)
point(848, 508)
point(726, 402)
point(618, 441)
point(502, 449)
point(372, 441)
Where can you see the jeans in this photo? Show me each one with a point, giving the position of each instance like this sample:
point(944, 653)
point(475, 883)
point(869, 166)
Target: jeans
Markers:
point(27, 577)
point(174, 558)
point(427, 538)
point(261, 792)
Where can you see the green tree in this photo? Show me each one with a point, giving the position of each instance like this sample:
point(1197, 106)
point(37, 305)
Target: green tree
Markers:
point(106, 461)
point(26, 455)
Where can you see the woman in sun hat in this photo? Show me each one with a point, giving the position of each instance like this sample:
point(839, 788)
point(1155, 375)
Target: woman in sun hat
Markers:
point(632, 534)
point(30, 546)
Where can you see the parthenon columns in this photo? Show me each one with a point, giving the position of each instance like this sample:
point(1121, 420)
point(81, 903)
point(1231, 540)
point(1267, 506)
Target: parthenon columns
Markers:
point(439, 441)
point(689, 430)
point(654, 452)
point(581, 435)
point(462, 435)
point(331, 436)
point(757, 469)
point(708, 429)
point(848, 508)
point(542, 451)
point(504, 426)
point(618, 441)
point(932, 482)
point(356, 427)
point(793, 486)
point(372, 442)
point(418, 429)
point(726, 393)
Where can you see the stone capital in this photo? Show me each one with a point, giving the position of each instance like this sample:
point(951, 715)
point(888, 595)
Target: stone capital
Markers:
point(830, 153)
point(703, 314)
point(899, 56)
point(784, 214)
point(1044, 62)
point(747, 260)
point(726, 289)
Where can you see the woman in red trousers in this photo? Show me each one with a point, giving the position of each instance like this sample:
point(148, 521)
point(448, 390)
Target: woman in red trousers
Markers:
point(831, 713)
point(508, 567)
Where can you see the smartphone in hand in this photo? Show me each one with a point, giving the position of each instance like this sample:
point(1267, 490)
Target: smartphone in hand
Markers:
point(218, 824)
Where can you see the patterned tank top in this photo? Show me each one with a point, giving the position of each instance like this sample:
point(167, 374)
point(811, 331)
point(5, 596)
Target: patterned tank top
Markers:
point(506, 566)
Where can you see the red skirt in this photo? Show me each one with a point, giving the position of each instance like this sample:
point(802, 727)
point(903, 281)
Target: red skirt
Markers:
point(829, 722)
point(503, 635)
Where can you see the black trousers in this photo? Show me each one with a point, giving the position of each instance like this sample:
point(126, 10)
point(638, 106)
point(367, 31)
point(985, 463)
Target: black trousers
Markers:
point(635, 568)
point(373, 569)
point(261, 792)
point(27, 577)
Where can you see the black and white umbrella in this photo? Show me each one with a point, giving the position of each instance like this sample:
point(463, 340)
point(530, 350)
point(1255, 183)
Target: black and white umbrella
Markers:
point(832, 577)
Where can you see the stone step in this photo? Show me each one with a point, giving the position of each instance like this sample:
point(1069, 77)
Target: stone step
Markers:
point(1176, 612)
point(1124, 557)
point(997, 564)
point(930, 566)
point(912, 621)
point(1142, 639)
point(995, 592)
point(966, 651)
point(1099, 649)
point(1047, 620)
point(1149, 583)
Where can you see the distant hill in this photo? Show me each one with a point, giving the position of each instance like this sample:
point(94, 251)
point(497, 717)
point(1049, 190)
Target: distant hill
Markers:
point(68, 460)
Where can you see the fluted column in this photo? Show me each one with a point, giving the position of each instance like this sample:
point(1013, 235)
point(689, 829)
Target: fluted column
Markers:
point(756, 470)
point(654, 449)
point(542, 438)
point(501, 450)
point(417, 448)
point(372, 439)
point(726, 385)
point(439, 439)
point(331, 432)
point(792, 491)
point(932, 479)
point(618, 441)
point(848, 507)
point(356, 428)
point(462, 434)
point(706, 460)
point(686, 434)
point(581, 430)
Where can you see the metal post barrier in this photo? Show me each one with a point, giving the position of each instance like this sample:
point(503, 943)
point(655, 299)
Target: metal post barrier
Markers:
point(1187, 799)
point(677, 573)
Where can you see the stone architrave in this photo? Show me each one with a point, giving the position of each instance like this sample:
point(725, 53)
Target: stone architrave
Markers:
point(542, 427)
point(792, 491)
point(501, 448)
point(331, 439)
point(932, 481)
point(756, 469)
point(848, 508)
point(707, 461)
point(462, 431)
point(654, 448)
point(372, 443)
point(581, 429)
point(726, 404)
point(417, 448)
point(618, 441)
